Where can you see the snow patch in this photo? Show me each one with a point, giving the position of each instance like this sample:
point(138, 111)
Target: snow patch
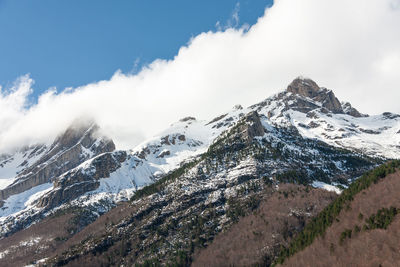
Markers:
point(19, 202)
point(327, 187)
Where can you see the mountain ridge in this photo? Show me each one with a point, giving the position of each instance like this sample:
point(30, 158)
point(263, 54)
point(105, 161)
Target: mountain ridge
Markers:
point(303, 135)
point(282, 110)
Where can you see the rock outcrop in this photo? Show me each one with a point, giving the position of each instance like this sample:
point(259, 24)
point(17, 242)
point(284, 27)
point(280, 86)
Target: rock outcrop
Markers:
point(349, 110)
point(309, 89)
point(251, 126)
point(77, 182)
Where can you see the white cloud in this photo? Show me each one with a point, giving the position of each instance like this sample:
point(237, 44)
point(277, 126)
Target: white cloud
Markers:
point(13, 103)
point(352, 47)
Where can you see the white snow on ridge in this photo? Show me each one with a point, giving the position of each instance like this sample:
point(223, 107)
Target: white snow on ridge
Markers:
point(165, 152)
point(327, 187)
point(372, 135)
point(377, 135)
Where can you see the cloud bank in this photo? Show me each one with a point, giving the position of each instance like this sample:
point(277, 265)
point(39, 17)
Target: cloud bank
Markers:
point(352, 47)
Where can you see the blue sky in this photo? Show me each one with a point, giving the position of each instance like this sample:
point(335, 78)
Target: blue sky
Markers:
point(72, 43)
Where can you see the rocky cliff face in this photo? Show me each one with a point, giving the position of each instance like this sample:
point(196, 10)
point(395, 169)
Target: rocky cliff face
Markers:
point(251, 127)
point(309, 89)
point(77, 144)
point(77, 182)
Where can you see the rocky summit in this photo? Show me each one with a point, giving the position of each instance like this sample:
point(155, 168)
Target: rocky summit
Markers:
point(309, 89)
point(270, 167)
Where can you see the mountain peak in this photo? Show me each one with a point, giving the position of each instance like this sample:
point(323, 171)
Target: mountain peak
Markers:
point(308, 88)
point(75, 132)
point(304, 87)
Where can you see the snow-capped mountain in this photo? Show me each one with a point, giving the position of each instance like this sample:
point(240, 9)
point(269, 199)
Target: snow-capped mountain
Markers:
point(81, 164)
point(304, 128)
point(317, 113)
point(260, 151)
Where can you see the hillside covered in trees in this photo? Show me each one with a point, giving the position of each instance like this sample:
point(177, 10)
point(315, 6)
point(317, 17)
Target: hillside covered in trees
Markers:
point(360, 228)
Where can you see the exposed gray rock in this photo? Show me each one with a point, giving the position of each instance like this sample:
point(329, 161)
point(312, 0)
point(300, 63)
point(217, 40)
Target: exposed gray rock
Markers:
point(313, 125)
point(188, 119)
point(172, 139)
point(308, 88)
point(303, 105)
point(369, 131)
point(390, 116)
point(349, 110)
point(217, 118)
point(77, 182)
point(164, 153)
point(250, 126)
point(304, 87)
point(182, 137)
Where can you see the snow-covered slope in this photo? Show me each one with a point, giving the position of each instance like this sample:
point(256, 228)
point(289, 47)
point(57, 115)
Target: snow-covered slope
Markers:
point(184, 140)
point(374, 135)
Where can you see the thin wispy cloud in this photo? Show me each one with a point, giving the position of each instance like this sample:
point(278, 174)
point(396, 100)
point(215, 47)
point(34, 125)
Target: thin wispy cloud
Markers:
point(352, 47)
point(232, 22)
